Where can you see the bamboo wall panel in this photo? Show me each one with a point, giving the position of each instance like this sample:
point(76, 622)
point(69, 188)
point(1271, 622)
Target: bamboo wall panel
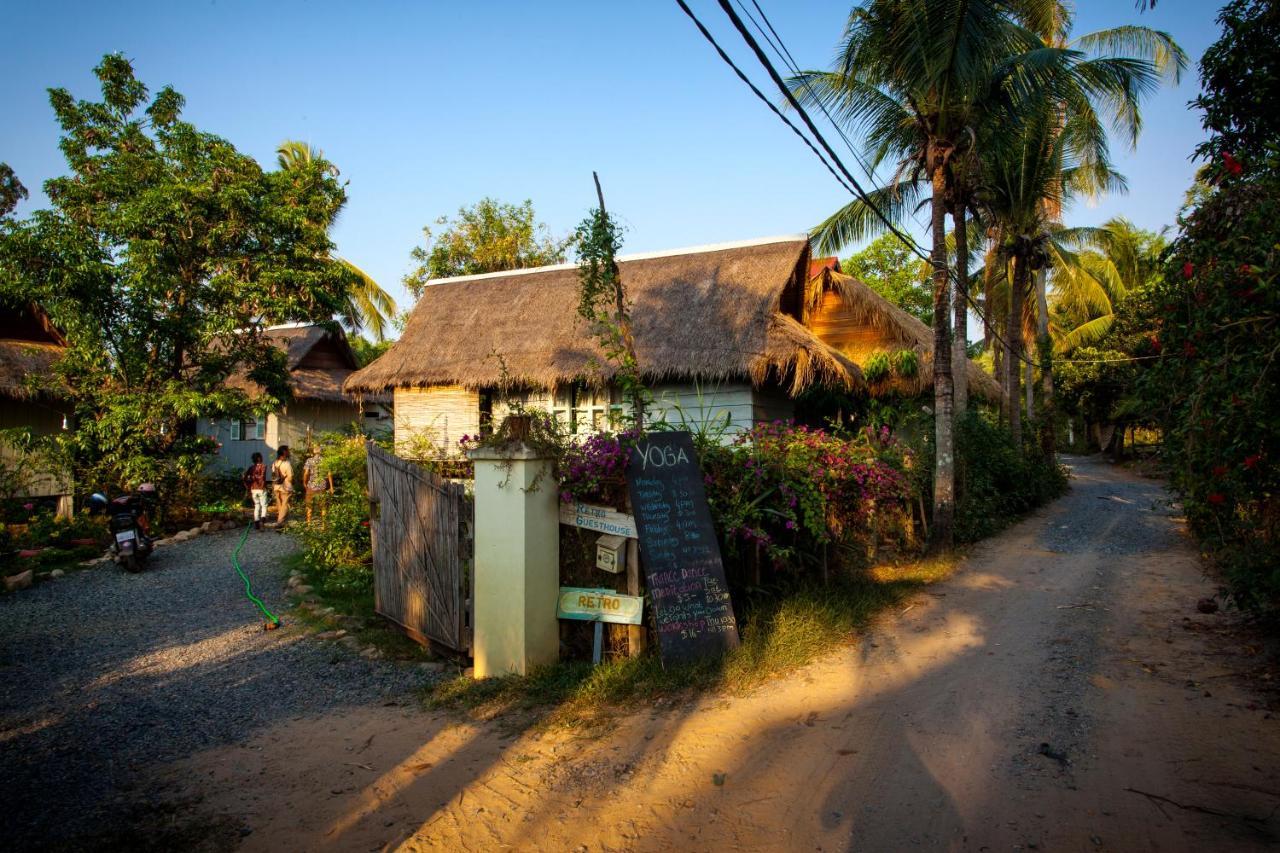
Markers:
point(422, 551)
point(444, 413)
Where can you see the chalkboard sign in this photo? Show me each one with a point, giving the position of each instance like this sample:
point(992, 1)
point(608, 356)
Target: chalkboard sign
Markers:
point(678, 549)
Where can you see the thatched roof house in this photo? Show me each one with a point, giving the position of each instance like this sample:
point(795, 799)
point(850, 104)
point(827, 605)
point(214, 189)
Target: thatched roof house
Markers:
point(861, 323)
point(721, 332)
point(30, 345)
point(712, 313)
point(715, 327)
point(319, 360)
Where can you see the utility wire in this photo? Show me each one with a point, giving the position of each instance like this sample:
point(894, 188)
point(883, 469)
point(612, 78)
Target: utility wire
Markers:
point(850, 183)
point(808, 122)
point(743, 77)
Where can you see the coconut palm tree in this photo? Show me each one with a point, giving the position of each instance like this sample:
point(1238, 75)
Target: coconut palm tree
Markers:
point(1084, 77)
point(914, 77)
point(367, 305)
point(1107, 264)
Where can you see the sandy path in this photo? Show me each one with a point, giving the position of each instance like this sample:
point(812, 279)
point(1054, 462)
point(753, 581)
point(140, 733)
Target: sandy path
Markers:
point(1076, 629)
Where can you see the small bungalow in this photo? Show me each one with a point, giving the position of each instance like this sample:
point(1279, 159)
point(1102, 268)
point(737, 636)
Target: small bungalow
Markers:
point(726, 334)
point(30, 346)
point(716, 333)
point(320, 361)
point(874, 333)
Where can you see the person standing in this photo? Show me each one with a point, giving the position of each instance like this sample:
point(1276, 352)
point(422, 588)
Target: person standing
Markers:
point(255, 481)
point(282, 479)
point(315, 483)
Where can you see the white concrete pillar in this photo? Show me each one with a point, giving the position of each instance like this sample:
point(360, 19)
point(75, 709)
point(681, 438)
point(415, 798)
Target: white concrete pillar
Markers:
point(517, 562)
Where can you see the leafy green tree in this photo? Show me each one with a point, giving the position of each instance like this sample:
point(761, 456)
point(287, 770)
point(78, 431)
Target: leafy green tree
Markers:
point(1088, 284)
point(368, 306)
point(164, 254)
point(365, 350)
point(11, 190)
point(892, 270)
point(489, 236)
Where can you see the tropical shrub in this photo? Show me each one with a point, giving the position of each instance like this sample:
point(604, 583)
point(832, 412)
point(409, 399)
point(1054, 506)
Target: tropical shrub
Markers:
point(788, 492)
point(336, 543)
point(995, 482)
point(1216, 388)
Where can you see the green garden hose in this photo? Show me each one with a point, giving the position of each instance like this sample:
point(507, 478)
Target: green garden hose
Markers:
point(248, 590)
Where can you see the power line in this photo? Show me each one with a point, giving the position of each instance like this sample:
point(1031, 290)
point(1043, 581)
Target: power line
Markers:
point(808, 122)
point(743, 77)
point(852, 184)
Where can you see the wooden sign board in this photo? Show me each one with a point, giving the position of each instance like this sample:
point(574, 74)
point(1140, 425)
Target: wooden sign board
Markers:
point(599, 605)
point(678, 549)
point(601, 519)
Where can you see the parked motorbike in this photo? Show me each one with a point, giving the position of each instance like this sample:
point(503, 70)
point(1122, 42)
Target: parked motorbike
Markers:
point(129, 525)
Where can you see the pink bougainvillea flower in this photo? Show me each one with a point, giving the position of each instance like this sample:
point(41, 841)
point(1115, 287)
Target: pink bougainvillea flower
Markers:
point(1217, 498)
point(1188, 269)
point(1232, 164)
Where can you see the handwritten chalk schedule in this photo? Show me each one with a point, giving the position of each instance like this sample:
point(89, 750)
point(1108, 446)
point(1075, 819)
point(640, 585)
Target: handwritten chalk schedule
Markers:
point(678, 549)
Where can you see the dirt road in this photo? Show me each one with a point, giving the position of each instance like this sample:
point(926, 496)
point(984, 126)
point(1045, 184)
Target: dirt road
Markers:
point(1060, 693)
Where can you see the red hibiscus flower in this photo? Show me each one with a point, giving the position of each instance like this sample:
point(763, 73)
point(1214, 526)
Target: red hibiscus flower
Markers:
point(1217, 498)
point(1188, 269)
point(1232, 164)
point(1219, 470)
point(1250, 461)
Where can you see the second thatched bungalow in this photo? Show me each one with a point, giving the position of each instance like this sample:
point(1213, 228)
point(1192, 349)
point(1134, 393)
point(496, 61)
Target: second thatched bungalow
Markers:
point(728, 334)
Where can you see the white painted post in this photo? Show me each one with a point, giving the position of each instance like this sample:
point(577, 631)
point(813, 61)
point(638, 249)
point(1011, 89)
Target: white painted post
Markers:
point(517, 562)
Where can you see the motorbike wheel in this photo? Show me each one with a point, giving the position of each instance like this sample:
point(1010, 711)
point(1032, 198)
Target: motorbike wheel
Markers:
point(132, 563)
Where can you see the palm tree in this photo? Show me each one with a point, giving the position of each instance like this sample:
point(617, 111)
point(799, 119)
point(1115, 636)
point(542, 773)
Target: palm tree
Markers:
point(915, 77)
point(926, 82)
point(367, 305)
point(1109, 263)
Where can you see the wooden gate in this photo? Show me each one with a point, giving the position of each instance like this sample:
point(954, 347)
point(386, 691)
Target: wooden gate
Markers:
point(422, 551)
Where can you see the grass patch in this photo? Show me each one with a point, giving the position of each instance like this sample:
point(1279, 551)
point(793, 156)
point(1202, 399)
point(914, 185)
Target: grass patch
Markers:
point(353, 612)
point(780, 632)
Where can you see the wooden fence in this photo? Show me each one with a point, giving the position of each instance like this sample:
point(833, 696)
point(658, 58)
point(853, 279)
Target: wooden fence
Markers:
point(422, 551)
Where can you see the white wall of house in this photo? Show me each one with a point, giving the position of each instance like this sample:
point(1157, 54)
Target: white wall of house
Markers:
point(443, 414)
point(268, 433)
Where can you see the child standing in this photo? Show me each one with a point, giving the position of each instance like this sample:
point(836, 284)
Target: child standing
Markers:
point(255, 480)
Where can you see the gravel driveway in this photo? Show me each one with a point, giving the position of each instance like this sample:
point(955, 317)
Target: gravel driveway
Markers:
point(103, 673)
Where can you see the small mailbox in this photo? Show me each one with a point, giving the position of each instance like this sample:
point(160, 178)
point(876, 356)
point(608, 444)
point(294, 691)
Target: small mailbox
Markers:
point(611, 553)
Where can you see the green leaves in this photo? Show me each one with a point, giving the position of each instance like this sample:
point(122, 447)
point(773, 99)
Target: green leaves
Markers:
point(163, 255)
point(487, 237)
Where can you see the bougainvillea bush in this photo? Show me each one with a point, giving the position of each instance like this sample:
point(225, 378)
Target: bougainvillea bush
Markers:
point(780, 491)
point(1216, 387)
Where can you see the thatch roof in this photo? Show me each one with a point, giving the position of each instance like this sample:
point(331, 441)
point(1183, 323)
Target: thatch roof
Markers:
point(865, 307)
point(30, 345)
point(23, 364)
point(312, 375)
point(709, 313)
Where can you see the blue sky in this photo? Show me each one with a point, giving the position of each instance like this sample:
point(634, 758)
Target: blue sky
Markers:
point(426, 107)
